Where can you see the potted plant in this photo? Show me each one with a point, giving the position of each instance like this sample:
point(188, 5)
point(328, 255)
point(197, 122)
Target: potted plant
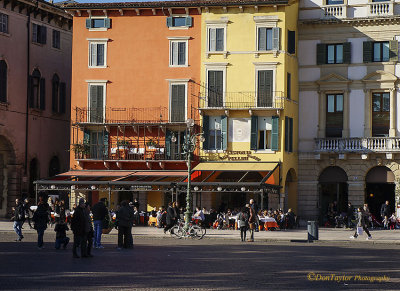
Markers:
point(123, 144)
point(151, 144)
point(81, 149)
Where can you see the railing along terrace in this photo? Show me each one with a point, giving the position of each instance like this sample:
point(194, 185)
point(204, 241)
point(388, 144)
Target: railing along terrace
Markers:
point(111, 115)
point(243, 100)
point(364, 145)
point(380, 8)
point(334, 11)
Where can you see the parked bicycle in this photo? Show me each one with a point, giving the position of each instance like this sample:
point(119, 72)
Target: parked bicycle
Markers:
point(194, 231)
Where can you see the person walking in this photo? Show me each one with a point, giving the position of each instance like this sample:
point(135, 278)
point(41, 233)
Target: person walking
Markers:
point(90, 232)
point(171, 217)
point(254, 205)
point(80, 229)
point(99, 212)
point(385, 214)
point(19, 218)
point(361, 223)
point(252, 220)
point(349, 215)
point(41, 219)
point(61, 235)
point(125, 217)
point(243, 218)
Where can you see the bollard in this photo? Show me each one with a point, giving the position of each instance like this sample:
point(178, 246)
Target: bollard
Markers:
point(312, 230)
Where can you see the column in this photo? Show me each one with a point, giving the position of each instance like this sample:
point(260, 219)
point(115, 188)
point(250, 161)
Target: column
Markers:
point(346, 115)
point(367, 113)
point(322, 114)
point(392, 130)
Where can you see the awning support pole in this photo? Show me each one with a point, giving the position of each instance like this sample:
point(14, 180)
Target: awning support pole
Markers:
point(36, 191)
point(109, 196)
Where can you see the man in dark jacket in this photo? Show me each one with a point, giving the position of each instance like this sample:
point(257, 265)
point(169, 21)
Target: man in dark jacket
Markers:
point(99, 212)
point(385, 210)
point(171, 217)
point(125, 216)
point(349, 214)
point(41, 218)
point(80, 227)
point(19, 218)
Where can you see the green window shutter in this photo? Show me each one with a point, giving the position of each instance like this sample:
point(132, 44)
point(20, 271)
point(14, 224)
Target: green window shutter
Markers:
point(347, 53)
point(169, 21)
point(224, 129)
point(321, 53)
point(286, 134)
point(275, 38)
point(291, 135)
point(254, 133)
point(42, 94)
point(88, 23)
point(181, 53)
point(188, 21)
point(367, 51)
point(107, 23)
point(63, 96)
point(219, 39)
point(275, 133)
point(206, 127)
point(262, 38)
point(86, 136)
point(264, 92)
point(168, 136)
point(393, 50)
point(105, 143)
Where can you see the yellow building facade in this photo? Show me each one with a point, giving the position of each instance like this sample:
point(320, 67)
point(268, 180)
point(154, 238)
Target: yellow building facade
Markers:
point(249, 106)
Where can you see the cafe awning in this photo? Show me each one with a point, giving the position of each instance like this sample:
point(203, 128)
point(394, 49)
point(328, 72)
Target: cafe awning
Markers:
point(239, 166)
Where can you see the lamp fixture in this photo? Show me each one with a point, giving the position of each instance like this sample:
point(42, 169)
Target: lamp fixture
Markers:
point(52, 187)
point(196, 188)
point(243, 189)
point(219, 188)
point(93, 187)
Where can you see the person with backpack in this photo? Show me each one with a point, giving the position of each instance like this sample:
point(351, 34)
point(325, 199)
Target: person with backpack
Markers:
point(19, 218)
point(243, 220)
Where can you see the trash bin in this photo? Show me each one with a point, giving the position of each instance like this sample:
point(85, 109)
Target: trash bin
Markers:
point(312, 230)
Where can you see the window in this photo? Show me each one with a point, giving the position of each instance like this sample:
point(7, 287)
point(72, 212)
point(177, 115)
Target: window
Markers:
point(37, 91)
point(381, 51)
point(215, 84)
point(380, 114)
point(264, 88)
point(3, 23)
point(264, 133)
point(288, 134)
point(215, 133)
point(264, 38)
point(96, 103)
point(334, 115)
point(179, 21)
point(216, 39)
point(339, 53)
point(3, 81)
point(97, 144)
point(97, 54)
point(58, 95)
point(291, 42)
point(56, 39)
point(98, 23)
point(178, 53)
point(334, 53)
point(178, 103)
point(334, 2)
point(39, 33)
point(289, 86)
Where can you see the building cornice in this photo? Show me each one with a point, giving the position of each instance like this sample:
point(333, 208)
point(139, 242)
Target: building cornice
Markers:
point(362, 21)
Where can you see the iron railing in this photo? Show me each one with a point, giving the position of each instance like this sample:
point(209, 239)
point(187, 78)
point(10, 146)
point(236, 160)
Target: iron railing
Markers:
point(361, 145)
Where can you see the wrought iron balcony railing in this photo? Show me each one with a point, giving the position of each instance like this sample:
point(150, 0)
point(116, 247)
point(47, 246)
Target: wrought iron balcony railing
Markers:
point(358, 145)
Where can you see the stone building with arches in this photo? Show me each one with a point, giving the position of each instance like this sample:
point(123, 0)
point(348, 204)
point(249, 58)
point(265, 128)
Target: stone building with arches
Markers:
point(35, 80)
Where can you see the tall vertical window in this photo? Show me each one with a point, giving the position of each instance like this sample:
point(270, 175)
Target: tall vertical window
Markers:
point(215, 133)
point(3, 23)
point(380, 113)
point(264, 39)
point(264, 133)
point(58, 95)
point(215, 84)
point(334, 115)
point(178, 53)
point(178, 103)
point(291, 42)
point(288, 134)
point(381, 51)
point(37, 90)
point(216, 39)
point(3, 81)
point(96, 143)
point(334, 53)
point(289, 86)
point(96, 103)
point(97, 54)
point(56, 39)
point(264, 88)
point(39, 33)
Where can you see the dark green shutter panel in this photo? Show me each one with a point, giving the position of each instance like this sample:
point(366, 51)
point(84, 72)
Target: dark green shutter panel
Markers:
point(168, 136)
point(169, 21)
point(215, 88)
point(88, 23)
point(3, 81)
point(367, 51)
point(54, 96)
point(93, 103)
point(86, 136)
point(63, 97)
point(262, 38)
point(105, 142)
point(188, 21)
point(224, 129)
point(321, 53)
point(254, 133)
point(291, 42)
point(43, 34)
point(275, 38)
point(275, 133)
point(34, 33)
point(264, 92)
point(107, 22)
point(206, 127)
point(42, 94)
point(286, 134)
point(181, 53)
point(291, 135)
point(347, 53)
point(219, 39)
point(30, 90)
point(393, 50)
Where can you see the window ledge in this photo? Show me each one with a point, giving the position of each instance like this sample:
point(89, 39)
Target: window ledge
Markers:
point(273, 52)
point(5, 34)
point(56, 49)
point(178, 66)
point(97, 67)
point(38, 44)
point(267, 151)
point(178, 27)
point(213, 151)
point(224, 53)
point(98, 29)
point(36, 110)
point(4, 105)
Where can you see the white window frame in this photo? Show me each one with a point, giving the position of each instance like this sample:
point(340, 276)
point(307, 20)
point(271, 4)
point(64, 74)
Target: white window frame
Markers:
point(178, 27)
point(97, 41)
point(184, 39)
point(177, 82)
point(97, 83)
point(267, 21)
point(216, 67)
point(221, 23)
point(267, 66)
point(209, 129)
point(99, 28)
point(264, 150)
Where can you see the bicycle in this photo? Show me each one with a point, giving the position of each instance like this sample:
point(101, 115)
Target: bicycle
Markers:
point(194, 231)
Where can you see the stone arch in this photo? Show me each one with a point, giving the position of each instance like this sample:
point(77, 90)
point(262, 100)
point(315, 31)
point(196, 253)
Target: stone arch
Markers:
point(290, 198)
point(7, 157)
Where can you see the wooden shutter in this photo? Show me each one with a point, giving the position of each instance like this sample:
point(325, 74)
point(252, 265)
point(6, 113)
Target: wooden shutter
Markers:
point(291, 42)
point(88, 23)
point(188, 21)
point(393, 50)
point(63, 98)
point(220, 39)
point(174, 53)
point(34, 32)
point(291, 135)
point(275, 133)
point(181, 53)
point(169, 21)
point(54, 95)
point(262, 38)
point(347, 53)
point(105, 144)
point(31, 94)
point(42, 94)
point(321, 53)
point(3, 81)
point(178, 103)
point(254, 133)
point(100, 54)
point(367, 51)
point(43, 34)
point(206, 128)
point(99, 109)
point(212, 34)
point(107, 23)
point(224, 131)
point(286, 134)
point(264, 92)
point(215, 88)
point(275, 38)
point(93, 103)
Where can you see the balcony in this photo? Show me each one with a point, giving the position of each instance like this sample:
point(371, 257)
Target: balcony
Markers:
point(334, 11)
point(358, 145)
point(380, 9)
point(242, 100)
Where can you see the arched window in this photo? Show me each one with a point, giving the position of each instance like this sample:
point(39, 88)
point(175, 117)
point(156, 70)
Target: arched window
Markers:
point(55, 85)
point(37, 91)
point(3, 81)
point(54, 167)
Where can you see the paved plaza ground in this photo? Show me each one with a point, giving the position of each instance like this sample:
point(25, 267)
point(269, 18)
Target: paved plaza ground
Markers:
point(277, 260)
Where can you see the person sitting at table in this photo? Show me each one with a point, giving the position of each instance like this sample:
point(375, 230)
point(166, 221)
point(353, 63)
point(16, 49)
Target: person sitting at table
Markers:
point(153, 213)
point(199, 214)
point(205, 211)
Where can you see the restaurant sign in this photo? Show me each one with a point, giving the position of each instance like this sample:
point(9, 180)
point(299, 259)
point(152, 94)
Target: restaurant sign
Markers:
point(238, 156)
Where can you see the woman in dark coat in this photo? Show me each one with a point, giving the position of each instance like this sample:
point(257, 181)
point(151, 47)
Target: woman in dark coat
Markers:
point(171, 217)
point(41, 218)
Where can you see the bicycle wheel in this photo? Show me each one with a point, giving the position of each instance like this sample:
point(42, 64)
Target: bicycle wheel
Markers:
point(197, 232)
point(176, 231)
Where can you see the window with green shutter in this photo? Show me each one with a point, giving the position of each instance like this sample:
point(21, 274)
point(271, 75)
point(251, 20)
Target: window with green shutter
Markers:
point(97, 54)
point(96, 103)
point(368, 51)
point(215, 83)
point(206, 125)
point(275, 133)
point(337, 53)
point(216, 39)
point(264, 88)
point(178, 53)
point(254, 132)
point(178, 102)
point(179, 21)
point(98, 23)
point(224, 131)
point(264, 38)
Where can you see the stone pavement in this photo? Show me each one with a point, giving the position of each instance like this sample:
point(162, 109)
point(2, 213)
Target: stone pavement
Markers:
point(325, 234)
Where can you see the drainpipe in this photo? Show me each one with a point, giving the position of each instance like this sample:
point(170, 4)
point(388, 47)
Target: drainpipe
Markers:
point(28, 26)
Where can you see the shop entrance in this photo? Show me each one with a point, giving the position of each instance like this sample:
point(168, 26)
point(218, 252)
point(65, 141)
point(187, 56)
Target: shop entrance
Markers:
point(379, 188)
